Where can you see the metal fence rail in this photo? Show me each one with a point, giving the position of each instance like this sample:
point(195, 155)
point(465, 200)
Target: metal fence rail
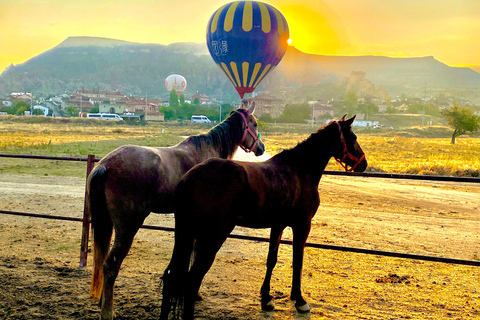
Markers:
point(86, 219)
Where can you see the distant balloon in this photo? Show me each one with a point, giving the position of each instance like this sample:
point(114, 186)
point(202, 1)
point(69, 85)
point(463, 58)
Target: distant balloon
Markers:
point(177, 82)
point(247, 39)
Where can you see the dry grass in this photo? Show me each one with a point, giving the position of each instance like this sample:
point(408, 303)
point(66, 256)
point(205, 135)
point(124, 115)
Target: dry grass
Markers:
point(404, 154)
point(397, 154)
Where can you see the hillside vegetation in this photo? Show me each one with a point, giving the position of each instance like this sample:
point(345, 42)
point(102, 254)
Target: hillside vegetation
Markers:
point(140, 69)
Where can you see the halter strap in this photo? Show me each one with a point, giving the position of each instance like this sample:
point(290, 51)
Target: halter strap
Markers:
point(347, 154)
point(249, 131)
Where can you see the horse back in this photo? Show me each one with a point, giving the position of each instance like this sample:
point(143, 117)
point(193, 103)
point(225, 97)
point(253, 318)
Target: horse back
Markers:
point(143, 177)
point(279, 194)
point(256, 195)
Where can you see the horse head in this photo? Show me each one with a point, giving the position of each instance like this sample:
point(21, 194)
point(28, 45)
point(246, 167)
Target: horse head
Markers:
point(350, 156)
point(251, 141)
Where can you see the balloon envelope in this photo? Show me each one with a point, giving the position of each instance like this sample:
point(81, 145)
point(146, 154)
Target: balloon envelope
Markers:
point(177, 82)
point(247, 39)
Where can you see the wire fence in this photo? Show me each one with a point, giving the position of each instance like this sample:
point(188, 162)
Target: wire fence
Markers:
point(91, 159)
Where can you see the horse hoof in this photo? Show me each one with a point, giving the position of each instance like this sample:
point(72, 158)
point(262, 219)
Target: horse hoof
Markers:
point(303, 309)
point(268, 306)
point(106, 315)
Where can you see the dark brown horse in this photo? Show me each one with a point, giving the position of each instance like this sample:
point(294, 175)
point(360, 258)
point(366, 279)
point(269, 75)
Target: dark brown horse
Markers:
point(216, 195)
point(132, 181)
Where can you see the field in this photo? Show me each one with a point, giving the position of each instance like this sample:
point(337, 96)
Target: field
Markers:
point(407, 152)
point(39, 258)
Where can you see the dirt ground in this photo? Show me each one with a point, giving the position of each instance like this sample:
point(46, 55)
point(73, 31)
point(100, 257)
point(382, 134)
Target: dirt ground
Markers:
point(40, 277)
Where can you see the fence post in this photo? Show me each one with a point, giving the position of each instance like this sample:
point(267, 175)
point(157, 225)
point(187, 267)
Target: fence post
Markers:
point(86, 217)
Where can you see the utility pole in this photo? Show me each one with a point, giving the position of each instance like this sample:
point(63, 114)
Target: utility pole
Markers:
point(146, 95)
point(424, 102)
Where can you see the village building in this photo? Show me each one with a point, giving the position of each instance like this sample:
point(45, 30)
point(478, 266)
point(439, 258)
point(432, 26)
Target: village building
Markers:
point(321, 109)
point(202, 99)
point(98, 96)
point(382, 108)
point(267, 104)
point(85, 100)
point(83, 104)
point(20, 97)
point(131, 105)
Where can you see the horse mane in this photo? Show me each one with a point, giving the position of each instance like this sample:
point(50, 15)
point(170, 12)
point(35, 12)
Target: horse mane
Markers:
point(224, 137)
point(303, 149)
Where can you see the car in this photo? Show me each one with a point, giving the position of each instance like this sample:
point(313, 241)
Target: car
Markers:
point(105, 116)
point(200, 119)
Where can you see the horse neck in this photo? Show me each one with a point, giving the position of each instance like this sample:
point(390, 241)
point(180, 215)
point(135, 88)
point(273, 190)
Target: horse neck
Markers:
point(221, 141)
point(311, 156)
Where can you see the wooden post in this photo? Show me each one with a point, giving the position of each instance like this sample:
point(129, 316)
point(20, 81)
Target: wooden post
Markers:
point(86, 217)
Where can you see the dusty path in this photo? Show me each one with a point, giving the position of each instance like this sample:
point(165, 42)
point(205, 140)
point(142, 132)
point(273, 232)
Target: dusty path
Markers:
point(40, 277)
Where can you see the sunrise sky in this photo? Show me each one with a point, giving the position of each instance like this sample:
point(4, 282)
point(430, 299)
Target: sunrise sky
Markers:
point(449, 30)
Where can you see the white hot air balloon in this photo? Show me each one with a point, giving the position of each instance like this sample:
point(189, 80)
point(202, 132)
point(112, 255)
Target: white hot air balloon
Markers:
point(177, 82)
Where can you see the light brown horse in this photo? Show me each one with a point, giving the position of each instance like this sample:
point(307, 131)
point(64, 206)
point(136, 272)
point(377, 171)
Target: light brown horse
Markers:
point(216, 195)
point(132, 181)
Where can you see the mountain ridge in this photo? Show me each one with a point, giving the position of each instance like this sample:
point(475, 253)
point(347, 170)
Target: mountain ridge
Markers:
point(140, 69)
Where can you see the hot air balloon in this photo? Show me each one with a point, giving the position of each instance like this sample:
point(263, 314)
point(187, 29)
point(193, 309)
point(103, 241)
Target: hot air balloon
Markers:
point(177, 82)
point(247, 39)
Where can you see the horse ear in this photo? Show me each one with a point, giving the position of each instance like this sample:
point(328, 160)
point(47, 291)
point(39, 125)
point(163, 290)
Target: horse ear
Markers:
point(350, 121)
point(342, 118)
point(251, 110)
point(243, 104)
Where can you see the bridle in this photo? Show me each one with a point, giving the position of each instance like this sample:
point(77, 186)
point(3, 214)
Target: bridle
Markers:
point(347, 154)
point(249, 131)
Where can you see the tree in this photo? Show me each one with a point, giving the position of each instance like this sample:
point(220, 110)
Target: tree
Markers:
point(196, 101)
point(367, 109)
point(72, 111)
point(266, 117)
point(19, 108)
point(351, 103)
point(37, 112)
point(391, 110)
point(182, 99)
point(169, 112)
point(227, 108)
point(295, 114)
point(174, 99)
point(95, 109)
point(186, 110)
point(461, 119)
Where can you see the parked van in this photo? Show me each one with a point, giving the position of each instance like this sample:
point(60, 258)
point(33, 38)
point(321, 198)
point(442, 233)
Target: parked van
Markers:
point(200, 119)
point(105, 116)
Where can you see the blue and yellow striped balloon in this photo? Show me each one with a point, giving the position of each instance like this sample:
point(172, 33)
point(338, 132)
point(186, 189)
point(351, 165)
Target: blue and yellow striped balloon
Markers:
point(247, 39)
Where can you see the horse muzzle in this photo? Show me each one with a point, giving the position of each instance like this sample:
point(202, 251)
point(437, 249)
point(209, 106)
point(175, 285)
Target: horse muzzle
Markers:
point(353, 163)
point(260, 149)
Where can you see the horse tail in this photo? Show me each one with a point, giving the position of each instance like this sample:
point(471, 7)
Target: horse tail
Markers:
point(102, 227)
point(175, 278)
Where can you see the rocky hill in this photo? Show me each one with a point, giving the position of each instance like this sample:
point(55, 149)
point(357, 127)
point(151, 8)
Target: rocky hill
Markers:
point(140, 69)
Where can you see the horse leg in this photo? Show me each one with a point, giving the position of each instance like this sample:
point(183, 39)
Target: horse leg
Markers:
point(267, 299)
point(173, 279)
point(207, 249)
point(111, 267)
point(300, 235)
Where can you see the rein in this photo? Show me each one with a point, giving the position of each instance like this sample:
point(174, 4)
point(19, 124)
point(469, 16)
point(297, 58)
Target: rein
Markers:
point(249, 131)
point(347, 154)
